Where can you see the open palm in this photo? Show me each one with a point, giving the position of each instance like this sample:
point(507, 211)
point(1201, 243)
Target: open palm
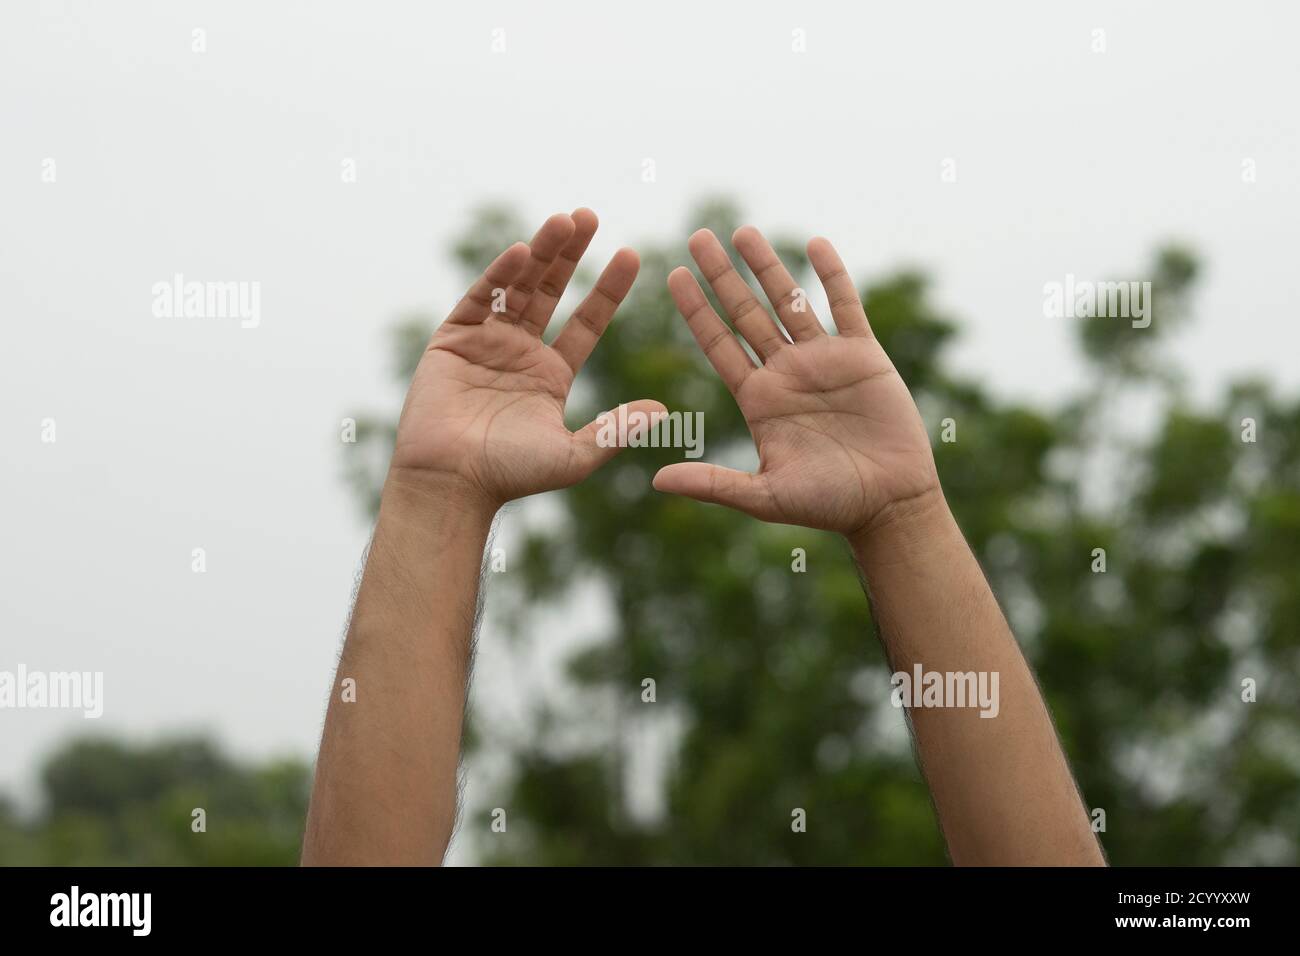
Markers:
point(486, 405)
point(839, 439)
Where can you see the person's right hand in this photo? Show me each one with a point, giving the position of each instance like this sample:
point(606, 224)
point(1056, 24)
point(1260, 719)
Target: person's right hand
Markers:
point(841, 445)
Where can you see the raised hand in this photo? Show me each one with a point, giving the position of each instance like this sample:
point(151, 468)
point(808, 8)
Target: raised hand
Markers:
point(840, 443)
point(486, 405)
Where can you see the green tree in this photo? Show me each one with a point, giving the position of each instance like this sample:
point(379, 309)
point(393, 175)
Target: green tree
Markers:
point(104, 802)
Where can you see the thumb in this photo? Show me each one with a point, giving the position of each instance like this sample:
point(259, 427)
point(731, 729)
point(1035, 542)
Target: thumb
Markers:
point(719, 486)
point(603, 437)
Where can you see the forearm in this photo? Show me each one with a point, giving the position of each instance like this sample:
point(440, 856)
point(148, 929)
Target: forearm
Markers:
point(1001, 785)
point(386, 789)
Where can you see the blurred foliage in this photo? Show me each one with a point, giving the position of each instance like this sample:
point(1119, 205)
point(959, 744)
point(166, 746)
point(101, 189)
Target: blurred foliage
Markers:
point(771, 690)
point(105, 803)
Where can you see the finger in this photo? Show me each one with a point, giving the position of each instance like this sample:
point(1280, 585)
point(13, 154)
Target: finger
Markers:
point(719, 486)
point(846, 305)
point(581, 333)
point(720, 347)
point(789, 301)
point(553, 283)
point(545, 247)
point(738, 300)
point(599, 440)
point(490, 287)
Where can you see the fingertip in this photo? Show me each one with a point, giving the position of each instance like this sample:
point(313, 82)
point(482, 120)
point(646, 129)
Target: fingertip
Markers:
point(630, 256)
point(700, 237)
point(560, 223)
point(621, 272)
point(680, 279)
point(819, 243)
point(514, 255)
point(667, 481)
point(745, 235)
point(585, 219)
point(657, 482)
point(651, 410)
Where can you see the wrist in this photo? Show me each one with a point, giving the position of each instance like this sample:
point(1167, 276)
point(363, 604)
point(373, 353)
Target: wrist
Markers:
point(904, 526)
point(417, 492)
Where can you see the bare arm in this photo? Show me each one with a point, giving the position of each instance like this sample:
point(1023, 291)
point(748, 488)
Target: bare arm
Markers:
point(1002, 786)
point(385, 788)
point(483, 424)
point(842, 448)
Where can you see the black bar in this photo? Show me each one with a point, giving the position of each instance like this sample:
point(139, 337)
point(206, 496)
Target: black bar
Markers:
point(654, 906)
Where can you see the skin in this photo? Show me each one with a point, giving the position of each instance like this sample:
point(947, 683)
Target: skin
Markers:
point(841, 448)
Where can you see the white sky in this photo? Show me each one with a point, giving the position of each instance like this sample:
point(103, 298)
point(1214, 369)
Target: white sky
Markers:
point(175, 434)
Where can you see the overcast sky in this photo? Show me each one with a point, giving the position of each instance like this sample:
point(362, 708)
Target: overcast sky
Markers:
point(177, 433)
